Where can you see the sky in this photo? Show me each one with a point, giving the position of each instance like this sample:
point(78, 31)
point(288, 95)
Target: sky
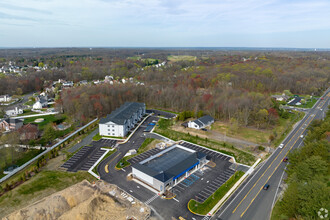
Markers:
point(165, 23)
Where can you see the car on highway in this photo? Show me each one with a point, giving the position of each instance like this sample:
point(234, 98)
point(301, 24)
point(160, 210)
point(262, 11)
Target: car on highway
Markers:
point(281, 145)
point(301, 136)
point(322, 98)
point(266, 186)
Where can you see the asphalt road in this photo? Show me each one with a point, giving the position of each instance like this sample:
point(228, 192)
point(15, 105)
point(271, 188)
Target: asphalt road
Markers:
point(19, 104)
point(252, 202)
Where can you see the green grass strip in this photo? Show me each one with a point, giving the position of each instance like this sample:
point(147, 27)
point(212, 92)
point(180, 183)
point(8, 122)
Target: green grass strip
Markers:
point(209, 203)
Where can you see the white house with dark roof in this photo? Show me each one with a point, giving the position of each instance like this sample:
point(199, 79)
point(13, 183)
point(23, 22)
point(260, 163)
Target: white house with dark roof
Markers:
point(201, 122)
point(5, 98)
point(123, 119)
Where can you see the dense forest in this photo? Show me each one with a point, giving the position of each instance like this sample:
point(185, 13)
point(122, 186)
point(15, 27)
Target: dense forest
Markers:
point(229, 85)
point(308, 176)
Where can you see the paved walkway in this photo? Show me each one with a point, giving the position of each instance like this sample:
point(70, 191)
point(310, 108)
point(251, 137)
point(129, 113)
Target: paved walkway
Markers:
point(86, 141)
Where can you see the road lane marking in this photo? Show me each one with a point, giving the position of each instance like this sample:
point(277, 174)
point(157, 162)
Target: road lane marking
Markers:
point(176, 200)
point(266, 170)
point(278, 164)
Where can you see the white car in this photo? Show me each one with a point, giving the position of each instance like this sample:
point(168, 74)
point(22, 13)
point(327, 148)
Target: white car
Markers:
point(281, 145)
point(302, 136)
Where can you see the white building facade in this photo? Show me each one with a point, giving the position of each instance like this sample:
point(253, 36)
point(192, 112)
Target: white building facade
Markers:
point(122, 120)
point(201, 122)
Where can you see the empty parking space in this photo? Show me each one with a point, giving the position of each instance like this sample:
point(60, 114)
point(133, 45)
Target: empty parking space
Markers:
point(144, 156)
point(84, 159)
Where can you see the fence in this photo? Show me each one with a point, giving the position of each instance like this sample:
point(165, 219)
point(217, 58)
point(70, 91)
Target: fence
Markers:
point(45, 152)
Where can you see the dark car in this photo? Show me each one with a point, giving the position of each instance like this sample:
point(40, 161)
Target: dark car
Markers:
point(266, 186)
point(204, 129)
point(285, 159)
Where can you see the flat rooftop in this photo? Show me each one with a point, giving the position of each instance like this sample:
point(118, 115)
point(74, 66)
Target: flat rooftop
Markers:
point(171, 162)
point(168, 159)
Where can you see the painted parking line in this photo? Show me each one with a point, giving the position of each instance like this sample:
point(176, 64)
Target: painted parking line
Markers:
point(204, 194)
point(208, 190)
point(181, 188)
point(218, 181)
point(201, 196)
point(214, 185)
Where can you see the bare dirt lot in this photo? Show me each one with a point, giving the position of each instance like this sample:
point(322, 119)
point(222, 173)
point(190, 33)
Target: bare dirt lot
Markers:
point(85, 201)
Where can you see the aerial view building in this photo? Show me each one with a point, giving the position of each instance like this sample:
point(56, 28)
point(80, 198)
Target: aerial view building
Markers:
point(120, 121)
point(166, 168)
point(201, 122)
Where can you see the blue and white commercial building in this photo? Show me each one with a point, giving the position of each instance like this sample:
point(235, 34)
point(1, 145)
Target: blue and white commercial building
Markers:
point(166, 168)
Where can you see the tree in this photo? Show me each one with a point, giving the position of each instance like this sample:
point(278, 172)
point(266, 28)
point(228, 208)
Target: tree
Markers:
point(262, 116)
point(41, 64)
point(287, 92)
point(49, 133)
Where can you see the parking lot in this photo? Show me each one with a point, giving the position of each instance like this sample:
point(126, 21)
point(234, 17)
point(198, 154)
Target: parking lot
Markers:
point(144, 156)
point(74, 161)
point(213, 154)
point(203, 183)
point(105, 143)
point(85, 158)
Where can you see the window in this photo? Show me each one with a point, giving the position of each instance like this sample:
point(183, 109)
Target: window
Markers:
point(113, 129)
point(108, 126)
point(108, 129)
point(113, 133)
point(113, 126)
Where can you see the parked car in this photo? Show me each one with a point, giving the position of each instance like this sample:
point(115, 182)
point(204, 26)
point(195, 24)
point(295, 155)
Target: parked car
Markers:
point(281, 145)
point(302, 136)
point(204, 129)
point(285, 159)
point(266, 186)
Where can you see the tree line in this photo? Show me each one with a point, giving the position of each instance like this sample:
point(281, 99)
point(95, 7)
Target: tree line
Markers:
point(308, 175)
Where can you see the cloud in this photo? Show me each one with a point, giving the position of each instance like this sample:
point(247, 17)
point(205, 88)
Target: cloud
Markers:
point(166, 20)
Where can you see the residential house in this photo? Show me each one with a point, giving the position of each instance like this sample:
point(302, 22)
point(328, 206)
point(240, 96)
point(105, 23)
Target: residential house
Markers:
point(122, 120)
point(280, 98)
point(28, 132)
point(68, 84)
point(295, 101)
point(14, 112)
point(41, 102)
point(10, 124)
point(201, 122)
point(5, 98)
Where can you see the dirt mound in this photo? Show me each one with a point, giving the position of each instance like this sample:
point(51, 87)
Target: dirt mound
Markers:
point(84, 201)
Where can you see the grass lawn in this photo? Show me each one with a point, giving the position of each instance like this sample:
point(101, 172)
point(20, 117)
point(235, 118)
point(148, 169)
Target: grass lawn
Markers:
point(181, 58)
point(19, 158)
point(260, 136)
point(144, 147)
point(28, 112)
point(134, 58)
point(47, 119)
point(240, 156)
point(209, 203)
point(309, 103)
point(30, 103)
point(43, 184)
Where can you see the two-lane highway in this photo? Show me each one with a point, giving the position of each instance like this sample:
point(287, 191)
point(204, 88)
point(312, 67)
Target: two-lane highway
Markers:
point(251, 201)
